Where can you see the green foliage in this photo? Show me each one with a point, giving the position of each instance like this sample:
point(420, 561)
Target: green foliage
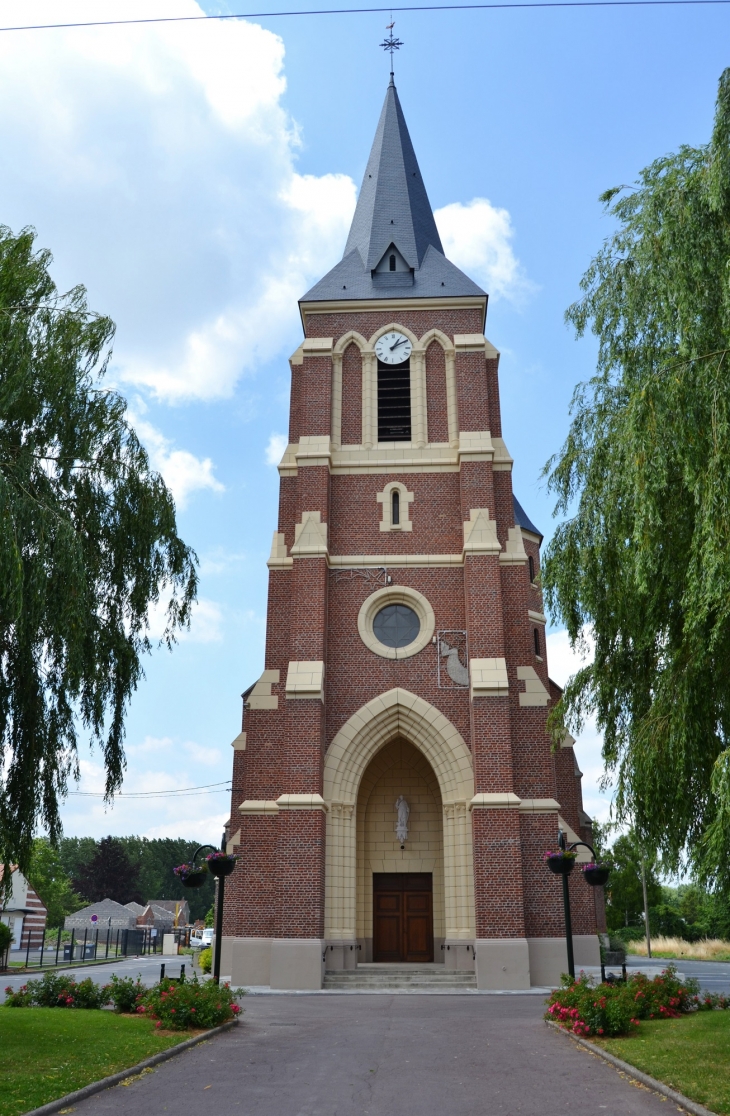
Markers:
point(88, 543)
point(110, 874)
point(641, 562)
point(616, 1009)
point(6, 937)
point(47, 875)
point(624, 894)
point(210, 916)
point(58, 990)
point(205, 960)
point(124, 993)
point(691, 911)
point(154, 860)
point(190, 1004)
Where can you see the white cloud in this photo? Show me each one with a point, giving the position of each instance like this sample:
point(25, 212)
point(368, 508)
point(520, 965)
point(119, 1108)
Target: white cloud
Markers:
point(275, 449)
point(477, 238)
point(200, 816)
point(206, 622)
point(564, 662)
point(150, 745)
point(183, 472)
point(157, 163)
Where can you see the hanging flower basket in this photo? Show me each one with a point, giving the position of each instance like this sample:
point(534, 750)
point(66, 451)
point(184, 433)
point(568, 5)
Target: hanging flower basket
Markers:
point(221, 863)
point(561, 861)
point(596, 874)
point(191, 875)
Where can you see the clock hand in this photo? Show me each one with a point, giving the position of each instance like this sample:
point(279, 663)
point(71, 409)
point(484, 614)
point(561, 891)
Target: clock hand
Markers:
point(400, 341)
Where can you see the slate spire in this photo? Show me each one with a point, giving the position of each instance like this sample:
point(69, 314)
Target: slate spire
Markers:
point(394, 249)
point(393, 206)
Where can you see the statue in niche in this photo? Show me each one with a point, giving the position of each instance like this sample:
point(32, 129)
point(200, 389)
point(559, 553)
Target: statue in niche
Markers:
point(401, 826)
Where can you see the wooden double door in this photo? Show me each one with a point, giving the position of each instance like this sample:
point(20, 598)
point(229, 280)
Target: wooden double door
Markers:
point(403, 916)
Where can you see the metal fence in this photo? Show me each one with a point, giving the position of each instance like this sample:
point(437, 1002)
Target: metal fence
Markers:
point(43, 950)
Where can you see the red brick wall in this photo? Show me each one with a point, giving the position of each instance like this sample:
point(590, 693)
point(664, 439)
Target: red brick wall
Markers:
point(278, 887)
point(436, 409)
point(351, 396)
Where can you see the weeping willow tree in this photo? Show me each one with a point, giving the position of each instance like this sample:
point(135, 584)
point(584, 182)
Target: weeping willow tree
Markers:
point(88, 543)
point(642, 558)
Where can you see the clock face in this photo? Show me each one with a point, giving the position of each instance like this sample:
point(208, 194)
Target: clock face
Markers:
point(393, 348)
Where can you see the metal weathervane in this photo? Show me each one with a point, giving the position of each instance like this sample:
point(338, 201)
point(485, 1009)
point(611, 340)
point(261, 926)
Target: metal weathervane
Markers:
point(391, 43)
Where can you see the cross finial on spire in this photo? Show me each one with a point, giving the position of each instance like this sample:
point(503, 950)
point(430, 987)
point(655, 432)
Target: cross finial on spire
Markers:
point(391, 43)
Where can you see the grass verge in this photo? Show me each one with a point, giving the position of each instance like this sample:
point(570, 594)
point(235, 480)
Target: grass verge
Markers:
point(48, 1052)
point(690, 1054)
point(707, 949)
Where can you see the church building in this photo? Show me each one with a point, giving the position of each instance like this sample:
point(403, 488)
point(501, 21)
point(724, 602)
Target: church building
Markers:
point(394, 785)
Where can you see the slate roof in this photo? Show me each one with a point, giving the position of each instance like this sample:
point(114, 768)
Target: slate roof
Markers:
point(106, 909)
point(393, 209)
point(522, 519)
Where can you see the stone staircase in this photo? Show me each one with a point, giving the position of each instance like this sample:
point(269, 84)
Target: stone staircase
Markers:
point(374, 977)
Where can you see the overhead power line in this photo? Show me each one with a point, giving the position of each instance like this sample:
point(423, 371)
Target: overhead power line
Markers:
point(207, 788)
point(371, 11)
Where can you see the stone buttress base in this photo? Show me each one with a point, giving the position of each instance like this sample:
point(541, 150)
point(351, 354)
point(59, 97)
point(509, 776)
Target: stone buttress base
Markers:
point(549, 957)
point(284, 963)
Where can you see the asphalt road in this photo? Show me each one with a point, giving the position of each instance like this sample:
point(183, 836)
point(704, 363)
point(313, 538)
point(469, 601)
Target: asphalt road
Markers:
point(714, 976)
point(379, 1055)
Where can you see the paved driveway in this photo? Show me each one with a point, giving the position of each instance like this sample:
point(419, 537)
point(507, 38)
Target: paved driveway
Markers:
point(383, 1056)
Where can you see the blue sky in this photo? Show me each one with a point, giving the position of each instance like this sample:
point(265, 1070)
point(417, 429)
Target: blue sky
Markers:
point(197, 179)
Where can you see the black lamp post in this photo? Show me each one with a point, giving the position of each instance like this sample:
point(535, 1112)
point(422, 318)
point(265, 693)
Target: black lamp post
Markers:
point(220, 868)
point(563, 866)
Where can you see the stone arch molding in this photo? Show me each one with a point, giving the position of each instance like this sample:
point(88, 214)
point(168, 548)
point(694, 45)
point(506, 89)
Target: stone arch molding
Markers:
point(397, 713)
point(419, 417)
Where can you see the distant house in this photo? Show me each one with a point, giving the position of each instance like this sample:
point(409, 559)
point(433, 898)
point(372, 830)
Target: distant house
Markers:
point(156, 917)
point(137, 908)
point(23, 912)
point(109, 916)
point(176, 907)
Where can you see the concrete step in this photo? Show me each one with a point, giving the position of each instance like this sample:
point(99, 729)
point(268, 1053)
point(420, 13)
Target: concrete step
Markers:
point(400, 977)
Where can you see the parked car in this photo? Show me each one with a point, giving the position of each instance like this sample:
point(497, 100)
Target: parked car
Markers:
point(201, 939)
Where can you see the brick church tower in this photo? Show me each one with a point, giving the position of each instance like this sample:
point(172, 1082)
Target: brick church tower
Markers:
point(394, 786)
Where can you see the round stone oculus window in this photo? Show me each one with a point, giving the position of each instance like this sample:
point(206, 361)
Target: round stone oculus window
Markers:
point(396, 622)
point(396, 625)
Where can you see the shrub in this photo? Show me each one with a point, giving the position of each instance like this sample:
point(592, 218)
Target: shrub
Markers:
point(6, 937)
point(616, 1009)
point(124, 993)
point(86, 994)
point(189, 1004)
point(58, 990)
point(205, 959)
point(19, 997)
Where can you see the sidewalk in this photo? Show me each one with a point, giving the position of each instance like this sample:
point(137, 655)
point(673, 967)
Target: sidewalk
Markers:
point(384, 1056)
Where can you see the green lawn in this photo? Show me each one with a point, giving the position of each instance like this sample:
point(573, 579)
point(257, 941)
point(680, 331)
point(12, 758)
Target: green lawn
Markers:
point(48, 1052)
point(690, 1054)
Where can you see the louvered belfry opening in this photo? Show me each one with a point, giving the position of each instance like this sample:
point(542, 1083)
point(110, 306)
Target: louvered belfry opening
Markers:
point(394, 402)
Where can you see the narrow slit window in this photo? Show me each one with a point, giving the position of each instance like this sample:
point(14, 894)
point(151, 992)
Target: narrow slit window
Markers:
point(392, 263)
point(531, 563)
point(394, 402)
point(395, 508)
point(536, 637)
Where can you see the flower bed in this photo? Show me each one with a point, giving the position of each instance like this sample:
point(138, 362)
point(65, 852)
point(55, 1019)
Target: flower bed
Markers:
point(607, 1009)
point(173, 1005)
point(192, 1004)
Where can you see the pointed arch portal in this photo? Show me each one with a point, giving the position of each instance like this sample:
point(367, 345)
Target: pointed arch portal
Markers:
point(397, 714)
